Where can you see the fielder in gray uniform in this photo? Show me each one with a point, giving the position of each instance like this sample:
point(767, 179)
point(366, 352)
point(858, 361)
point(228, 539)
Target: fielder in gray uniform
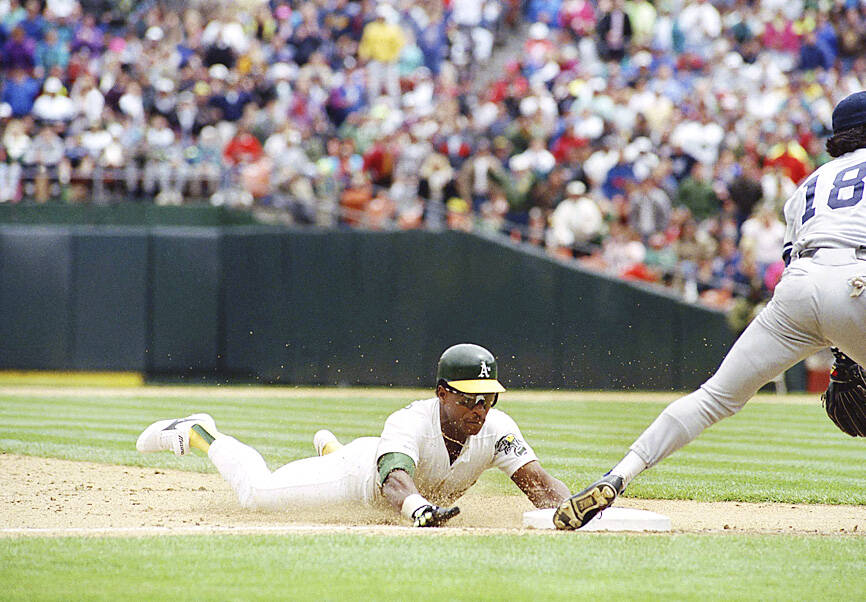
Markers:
point(428, 455)
point(818, 303)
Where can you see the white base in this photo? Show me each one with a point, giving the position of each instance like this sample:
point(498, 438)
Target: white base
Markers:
point(611, 519)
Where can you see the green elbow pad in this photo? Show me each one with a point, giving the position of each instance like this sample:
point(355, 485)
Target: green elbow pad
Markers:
point(394, 461)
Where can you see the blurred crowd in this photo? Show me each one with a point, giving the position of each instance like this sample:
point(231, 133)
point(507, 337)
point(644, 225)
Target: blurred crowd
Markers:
point(655, 141)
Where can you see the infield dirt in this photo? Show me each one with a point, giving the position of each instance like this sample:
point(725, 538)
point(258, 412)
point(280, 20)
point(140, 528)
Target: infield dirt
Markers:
point(44, 496)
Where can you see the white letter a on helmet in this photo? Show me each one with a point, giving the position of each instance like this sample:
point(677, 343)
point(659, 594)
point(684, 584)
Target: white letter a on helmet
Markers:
point(485, 370)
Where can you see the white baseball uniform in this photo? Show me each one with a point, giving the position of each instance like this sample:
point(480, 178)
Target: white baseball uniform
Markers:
point(816, 304)
point(350, 474)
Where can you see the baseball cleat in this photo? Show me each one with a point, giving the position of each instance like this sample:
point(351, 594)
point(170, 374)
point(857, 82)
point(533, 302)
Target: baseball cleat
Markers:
point(580, 508)
point(172, 435)
point(325, 442)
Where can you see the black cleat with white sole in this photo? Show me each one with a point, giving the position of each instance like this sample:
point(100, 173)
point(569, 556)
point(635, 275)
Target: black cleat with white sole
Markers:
point(582, 507)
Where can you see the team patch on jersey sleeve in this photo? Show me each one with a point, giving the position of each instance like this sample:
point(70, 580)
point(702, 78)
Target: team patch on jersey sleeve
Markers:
point(510, 444)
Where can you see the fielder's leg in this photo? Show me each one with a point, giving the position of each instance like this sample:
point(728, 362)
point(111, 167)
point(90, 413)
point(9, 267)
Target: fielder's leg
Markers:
point(843, 305)
point(776, 340)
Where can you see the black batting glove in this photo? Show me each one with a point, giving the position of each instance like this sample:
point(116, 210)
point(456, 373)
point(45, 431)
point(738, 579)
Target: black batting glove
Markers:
point(433, 516)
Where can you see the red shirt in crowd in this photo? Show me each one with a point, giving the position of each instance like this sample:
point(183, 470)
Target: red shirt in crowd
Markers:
point(243, 148)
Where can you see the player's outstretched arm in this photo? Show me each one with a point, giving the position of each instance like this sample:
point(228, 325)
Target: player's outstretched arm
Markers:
point(397, 486)
point(542, 489)
point(400, 491)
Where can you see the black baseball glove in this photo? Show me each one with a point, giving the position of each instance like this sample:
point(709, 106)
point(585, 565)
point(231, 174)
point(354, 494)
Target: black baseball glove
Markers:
point(433, 516)
point(845, 397)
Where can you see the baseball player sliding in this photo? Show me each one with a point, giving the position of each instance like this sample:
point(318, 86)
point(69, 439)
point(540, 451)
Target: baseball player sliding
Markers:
point(428, 455)
point(818, 303)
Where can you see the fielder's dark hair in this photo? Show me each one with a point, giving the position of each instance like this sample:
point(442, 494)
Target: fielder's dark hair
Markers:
point(847, 141)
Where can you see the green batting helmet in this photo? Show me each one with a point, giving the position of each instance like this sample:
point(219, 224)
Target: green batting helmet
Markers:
point(469, 369)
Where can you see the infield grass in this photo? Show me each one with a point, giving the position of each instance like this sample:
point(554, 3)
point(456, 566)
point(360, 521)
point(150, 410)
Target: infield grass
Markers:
point(780, 452)
point(784, 452)
point(366, 567)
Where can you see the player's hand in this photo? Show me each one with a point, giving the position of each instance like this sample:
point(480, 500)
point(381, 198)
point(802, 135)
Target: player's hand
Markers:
point(433, 516)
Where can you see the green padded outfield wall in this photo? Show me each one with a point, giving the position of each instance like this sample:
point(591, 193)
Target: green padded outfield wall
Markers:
point(36, 298)
point(281, 305)
point(109, 299)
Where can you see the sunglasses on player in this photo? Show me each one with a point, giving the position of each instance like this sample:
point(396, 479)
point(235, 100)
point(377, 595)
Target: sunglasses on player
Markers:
point(470, 400)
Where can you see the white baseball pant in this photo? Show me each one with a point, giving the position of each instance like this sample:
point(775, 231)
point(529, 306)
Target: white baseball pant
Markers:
point(348, 475)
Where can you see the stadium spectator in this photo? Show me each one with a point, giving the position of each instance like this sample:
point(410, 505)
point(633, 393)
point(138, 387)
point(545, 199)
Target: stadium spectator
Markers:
point(577, 17)
point(88, 36)
point(696, 193)
point(764, 234)
point(614, 30)
point(380, 45)
point(733, 85)
point(20, 91)
point(33, 23)
point(535, 158)
point(46, 149)
point(576, 222)
point(131, 102)
point(431, 34)
point(813, 55)
point(474, 181)
point(88, 100)
point(851, 28)
point(551, 190)
point(650, 208)
point(16, 141)
point(242, 148)
point(725, 265)
point(660, 258)
point(19, 51)
point(745, 188)
point(700, 23)
point(53, 105)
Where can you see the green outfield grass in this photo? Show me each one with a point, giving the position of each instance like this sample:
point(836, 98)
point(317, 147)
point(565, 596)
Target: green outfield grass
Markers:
point(785, 451)
point(345, 567)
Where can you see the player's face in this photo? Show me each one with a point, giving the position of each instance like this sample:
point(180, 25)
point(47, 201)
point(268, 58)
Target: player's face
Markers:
point(466, 412)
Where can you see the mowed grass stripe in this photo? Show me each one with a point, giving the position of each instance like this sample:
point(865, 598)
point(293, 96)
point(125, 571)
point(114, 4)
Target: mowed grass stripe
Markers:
point(173, 406)
point(302, 430)
point(534, 397)
point(563, 416)
point(339, 418)
point(256, 415)
point(731, 465)
point(718, 449)
point(775, 434)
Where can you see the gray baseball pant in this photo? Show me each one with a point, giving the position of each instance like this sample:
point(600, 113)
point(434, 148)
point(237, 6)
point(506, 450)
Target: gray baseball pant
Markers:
point(815, 305)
